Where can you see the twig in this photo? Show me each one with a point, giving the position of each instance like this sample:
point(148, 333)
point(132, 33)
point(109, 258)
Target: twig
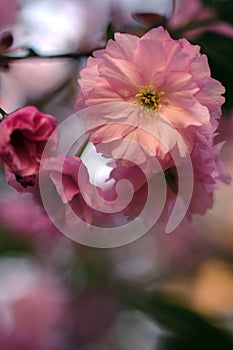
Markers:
point(31, 53)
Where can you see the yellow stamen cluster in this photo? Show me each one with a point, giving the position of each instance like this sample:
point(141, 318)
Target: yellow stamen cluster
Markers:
point(149, 98)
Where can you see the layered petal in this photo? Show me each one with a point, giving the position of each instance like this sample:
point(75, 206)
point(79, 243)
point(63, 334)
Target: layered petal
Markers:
point(24, 134)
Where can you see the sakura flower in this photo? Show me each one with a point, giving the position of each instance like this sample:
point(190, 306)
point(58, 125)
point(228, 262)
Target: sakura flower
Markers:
point(185, 12)
point(209, 174)
point(61, 194)
point(23, 136)
point(149, 91)
point(194, 11)
point(137, 178)
point(15, 211)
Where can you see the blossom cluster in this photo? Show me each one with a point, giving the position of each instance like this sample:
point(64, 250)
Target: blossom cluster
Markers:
point(98, 148)
point(144, 101)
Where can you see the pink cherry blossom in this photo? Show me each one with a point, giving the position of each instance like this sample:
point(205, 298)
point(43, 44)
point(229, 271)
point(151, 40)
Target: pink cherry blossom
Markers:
point(186, 12)
point(25, 217)
point(72, 202)
point(138, 180)
point(148, 102)
point(23, 136)
point(60, 183)
point(209, 174)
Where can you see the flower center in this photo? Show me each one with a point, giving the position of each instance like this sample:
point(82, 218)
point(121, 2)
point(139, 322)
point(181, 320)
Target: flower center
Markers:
point(149, 98)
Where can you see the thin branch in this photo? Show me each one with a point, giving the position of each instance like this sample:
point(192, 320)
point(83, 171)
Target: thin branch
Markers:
point(31, 53)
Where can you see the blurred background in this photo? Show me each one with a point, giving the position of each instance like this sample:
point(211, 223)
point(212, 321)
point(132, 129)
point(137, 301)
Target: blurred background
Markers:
point(165, 292)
